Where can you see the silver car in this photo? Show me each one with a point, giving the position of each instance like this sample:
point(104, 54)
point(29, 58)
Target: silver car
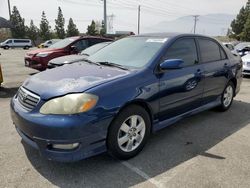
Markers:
point(246, 64)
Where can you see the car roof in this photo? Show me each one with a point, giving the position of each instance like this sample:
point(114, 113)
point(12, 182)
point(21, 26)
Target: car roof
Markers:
point(169, 35)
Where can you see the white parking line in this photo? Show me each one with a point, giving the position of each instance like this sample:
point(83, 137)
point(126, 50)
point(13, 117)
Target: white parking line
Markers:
point(142, 174)
point(166, 176)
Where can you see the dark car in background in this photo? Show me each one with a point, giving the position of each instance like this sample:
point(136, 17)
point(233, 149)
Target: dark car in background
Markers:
point(59, 61)
point(38, 59)
point(116, 98)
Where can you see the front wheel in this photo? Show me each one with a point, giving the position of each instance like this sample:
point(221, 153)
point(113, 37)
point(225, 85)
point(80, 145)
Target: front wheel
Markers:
point(129, 132)
point(227, 97)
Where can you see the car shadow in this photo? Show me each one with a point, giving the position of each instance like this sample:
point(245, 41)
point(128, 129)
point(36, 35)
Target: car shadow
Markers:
point(165, 150)
point(8, 92)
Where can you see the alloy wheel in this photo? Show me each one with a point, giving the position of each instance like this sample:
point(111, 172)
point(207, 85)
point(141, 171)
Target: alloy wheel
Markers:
point(131, 133)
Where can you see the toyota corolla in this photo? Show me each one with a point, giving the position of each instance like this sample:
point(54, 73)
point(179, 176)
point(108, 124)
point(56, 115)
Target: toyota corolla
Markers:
point(116, 98)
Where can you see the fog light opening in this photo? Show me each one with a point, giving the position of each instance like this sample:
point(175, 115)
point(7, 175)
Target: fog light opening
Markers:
point(65, 146)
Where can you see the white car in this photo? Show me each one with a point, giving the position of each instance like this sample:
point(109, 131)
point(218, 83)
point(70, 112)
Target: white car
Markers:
point(246, 64)
point(16, 43)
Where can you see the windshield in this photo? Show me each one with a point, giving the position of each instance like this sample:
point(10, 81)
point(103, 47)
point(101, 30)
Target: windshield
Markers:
point(63, 43)
point(93, 49)
point(130, 52)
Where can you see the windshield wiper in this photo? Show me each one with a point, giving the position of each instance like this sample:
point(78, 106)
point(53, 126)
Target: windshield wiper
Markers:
point(85, 54)
point(112, 65)
point(89, 61)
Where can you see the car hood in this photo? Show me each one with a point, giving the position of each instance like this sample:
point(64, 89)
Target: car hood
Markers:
point(67, 59)
point(73, 78)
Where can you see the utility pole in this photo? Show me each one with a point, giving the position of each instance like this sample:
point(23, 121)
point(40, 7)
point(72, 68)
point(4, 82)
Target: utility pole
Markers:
point(105, 15)
point(195, 21)
point(139, 18)
point(9, 8)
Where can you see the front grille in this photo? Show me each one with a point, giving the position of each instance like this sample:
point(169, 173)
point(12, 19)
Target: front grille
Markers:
point(27, 99)
point(246, 71)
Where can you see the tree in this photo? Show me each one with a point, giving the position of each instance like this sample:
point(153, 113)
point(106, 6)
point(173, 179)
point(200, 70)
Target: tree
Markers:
point(72, 29)
point(32, 32)
point(18, 30)
point(59, 27)
point(45, 33)
point(103, 30)
point(246, 31)
point(91, 30)
point(238, 23)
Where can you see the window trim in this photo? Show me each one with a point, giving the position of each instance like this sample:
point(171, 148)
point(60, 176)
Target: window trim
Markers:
point(220, 48)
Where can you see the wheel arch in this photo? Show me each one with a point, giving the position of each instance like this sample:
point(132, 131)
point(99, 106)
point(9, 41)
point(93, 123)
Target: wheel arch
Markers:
point(234, 81)
point(140, 103)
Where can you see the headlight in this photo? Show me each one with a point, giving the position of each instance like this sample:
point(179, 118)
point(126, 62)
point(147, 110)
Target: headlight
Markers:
point(43, 54)
point(70, 104)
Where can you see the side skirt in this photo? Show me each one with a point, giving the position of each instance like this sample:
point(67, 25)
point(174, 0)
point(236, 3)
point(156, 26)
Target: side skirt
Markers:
point(165, 123)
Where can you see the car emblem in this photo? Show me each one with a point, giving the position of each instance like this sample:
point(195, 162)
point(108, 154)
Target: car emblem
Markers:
point(25, 96)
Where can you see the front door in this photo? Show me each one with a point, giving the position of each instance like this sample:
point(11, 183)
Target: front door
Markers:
point(181, 90)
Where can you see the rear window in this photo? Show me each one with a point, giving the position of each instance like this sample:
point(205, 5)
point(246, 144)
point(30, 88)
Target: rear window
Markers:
point(210, 51)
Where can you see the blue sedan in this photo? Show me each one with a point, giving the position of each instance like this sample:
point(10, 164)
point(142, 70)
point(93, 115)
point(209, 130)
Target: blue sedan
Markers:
point(116, 98)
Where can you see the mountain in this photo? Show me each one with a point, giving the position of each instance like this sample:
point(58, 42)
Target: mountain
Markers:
point(210, 24)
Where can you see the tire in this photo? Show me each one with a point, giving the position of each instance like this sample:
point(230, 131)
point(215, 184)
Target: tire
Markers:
point(229, 92)
point(6, 47)
point(134, 139)
point(26, 47)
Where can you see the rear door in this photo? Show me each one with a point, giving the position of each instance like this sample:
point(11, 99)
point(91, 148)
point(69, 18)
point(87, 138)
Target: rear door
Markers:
point(216, 67)
point(181, 90)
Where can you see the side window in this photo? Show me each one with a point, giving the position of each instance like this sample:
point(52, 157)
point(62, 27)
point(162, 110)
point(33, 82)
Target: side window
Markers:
point(81, 45)
point(223, 54)
point(184, 49)
point(210, 51)
point(94, 41)
point(9, 41)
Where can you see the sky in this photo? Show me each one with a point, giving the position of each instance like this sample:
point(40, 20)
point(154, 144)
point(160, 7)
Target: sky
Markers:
point(124, 11)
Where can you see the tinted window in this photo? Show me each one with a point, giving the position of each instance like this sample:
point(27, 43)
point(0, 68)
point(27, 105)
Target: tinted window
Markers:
point(184, 49)
point(94, 41)
point(21, 41)
point(9, 41)
point(81, 45)
point(210, 50)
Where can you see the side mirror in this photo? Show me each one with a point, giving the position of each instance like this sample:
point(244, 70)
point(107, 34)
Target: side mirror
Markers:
point(171, 64)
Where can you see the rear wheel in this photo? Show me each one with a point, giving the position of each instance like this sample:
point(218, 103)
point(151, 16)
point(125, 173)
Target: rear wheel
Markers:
point(129, 132)
point(26, 47)
point(227, 97)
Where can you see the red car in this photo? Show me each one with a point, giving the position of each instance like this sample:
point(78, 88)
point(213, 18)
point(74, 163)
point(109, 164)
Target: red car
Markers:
point(38, 59)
